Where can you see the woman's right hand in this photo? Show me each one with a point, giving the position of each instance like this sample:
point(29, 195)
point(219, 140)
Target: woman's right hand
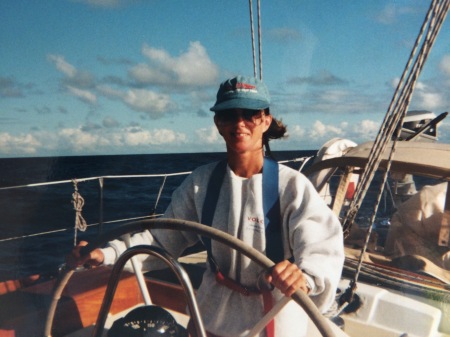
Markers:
point(94, 258)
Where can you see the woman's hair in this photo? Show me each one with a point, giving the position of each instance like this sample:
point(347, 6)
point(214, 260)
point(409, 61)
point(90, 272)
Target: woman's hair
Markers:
point(276, 130)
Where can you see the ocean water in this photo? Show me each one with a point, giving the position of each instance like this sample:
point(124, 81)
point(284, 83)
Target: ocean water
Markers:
point(29, 210)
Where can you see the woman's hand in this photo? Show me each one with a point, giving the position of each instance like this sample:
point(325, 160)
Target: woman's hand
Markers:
point(288, 278)
point(94, 258)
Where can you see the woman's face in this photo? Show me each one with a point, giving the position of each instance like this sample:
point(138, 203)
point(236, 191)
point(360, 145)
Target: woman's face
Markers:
point(242, 129)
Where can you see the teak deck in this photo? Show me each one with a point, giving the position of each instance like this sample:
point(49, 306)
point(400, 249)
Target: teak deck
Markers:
point(23, 311)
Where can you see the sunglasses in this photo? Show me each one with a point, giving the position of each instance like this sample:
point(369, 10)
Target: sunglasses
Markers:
point(231, 116)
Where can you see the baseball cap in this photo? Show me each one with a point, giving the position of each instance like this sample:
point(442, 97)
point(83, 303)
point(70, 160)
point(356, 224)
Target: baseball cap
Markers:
point(242, 93)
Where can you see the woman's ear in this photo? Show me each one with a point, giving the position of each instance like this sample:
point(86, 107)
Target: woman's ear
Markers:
point(267, 122)
point(217, 126)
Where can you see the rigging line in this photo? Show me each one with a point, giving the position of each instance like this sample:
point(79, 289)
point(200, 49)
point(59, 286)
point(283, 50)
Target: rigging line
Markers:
point(405, 72)
point(407, 89)
point(418, 66)
point(404, 103)
point(260, 40)
point(389, 123)
point(410, 86)
point(159, 193)
point(411, 82)
point(250, 2)
point(88, 226)
point(379, 145)
point(381, 275)
point(434, 27)
point(401, 83)
point(252, 32)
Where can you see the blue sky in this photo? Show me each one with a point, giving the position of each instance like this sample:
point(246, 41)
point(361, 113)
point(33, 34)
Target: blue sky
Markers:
point(94, 77)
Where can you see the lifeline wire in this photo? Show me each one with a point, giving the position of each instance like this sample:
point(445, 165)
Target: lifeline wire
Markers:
point(393, 119)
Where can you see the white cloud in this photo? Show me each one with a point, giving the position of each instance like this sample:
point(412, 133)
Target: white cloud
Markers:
point(319, 133)
point(158, 55)
point(444, 132)
point(166, 136)
point(296, 132)
point(428, 98)
point(18, 145)
point(444, 65)
point(135, 137)
point(62, 65)
point(392, 12)
point(110, 92)
point(334, 96)
point(192, 68)
point(82, 140)
point(284, 35)
point(320, 130)
point(105, 3)
point(142, 73)
point(84, 95)
point(109, 122)
point(76, 82)
point(395, 82)
point(209, 135)
point(99, 139)
point(337, 102)
point(420, 86)
point(78, 141)
point(365, 130)
point(154, 104)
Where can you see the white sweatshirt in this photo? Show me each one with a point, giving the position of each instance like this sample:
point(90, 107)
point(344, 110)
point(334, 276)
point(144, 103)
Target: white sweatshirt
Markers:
point(311, 233)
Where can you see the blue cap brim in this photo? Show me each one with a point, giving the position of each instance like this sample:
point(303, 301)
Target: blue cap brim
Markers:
point(241, 103)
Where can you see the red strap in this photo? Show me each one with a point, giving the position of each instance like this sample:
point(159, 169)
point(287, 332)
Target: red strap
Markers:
point(267, 297)
point(268, 304)
point(235, 286)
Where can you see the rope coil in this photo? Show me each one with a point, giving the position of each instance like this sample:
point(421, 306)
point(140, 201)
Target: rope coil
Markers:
point(78, 203)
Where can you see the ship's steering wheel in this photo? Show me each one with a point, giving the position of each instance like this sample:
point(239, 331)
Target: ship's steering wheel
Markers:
point(322, 324)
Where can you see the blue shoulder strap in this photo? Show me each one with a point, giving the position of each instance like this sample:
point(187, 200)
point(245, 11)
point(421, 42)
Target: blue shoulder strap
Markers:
point(272, 213)
point(210, 203)
point(271, 206)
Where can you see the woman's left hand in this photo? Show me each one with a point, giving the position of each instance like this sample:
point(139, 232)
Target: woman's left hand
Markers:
point(288, 278)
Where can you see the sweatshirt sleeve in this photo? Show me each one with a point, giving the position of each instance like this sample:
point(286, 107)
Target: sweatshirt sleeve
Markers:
point(315, 239)
point(182, 206)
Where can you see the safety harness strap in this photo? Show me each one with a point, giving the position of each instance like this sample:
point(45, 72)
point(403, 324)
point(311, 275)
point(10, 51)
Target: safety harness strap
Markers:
point(271, 207)
point(210, 203)
point(272, 221)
